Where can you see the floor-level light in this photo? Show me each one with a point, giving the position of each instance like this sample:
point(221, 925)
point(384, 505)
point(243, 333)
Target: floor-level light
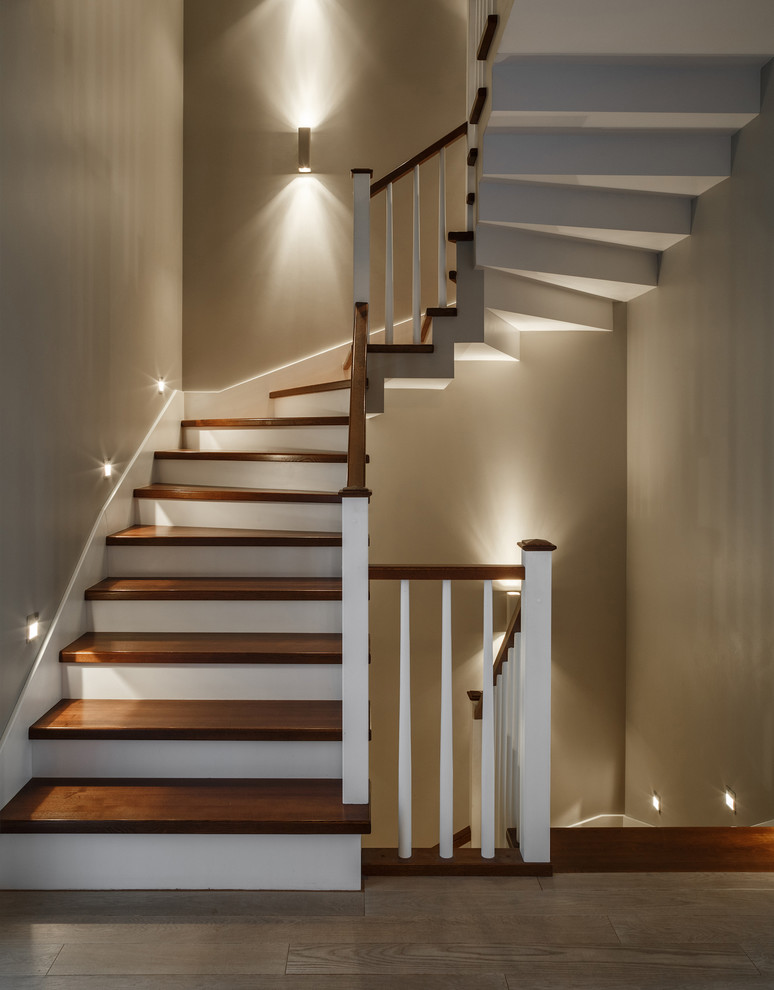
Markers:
point(730, 798)
point(304, 149)
point(656, 799)
point(33, 626)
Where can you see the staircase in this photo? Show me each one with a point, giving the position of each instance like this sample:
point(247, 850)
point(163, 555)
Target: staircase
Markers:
point(198, 740)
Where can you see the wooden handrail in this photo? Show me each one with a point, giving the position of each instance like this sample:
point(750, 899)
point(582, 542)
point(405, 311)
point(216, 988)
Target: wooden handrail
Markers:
point(473, 572)
point(356, 445)
point(423, 156)
point(514, 626)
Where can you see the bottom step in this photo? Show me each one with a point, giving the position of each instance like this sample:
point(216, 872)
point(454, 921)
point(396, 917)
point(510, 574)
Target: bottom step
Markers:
point(180, 862)
point(385, 862)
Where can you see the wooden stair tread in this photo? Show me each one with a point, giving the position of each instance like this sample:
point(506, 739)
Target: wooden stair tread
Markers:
point(204, 647)
point(201, 806)
point(400, 348)
point(205, 536)
point(242, 720)
point(214, 493)
point(303, 457)
point(216, 589)
point(456, 236)
point(264, 422)
point(311, 389)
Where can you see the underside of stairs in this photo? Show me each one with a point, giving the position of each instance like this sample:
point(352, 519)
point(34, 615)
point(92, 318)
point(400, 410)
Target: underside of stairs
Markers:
point(198, 740)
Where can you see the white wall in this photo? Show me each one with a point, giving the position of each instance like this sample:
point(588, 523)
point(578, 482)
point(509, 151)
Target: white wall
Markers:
point(700, 692)
point(90, 276)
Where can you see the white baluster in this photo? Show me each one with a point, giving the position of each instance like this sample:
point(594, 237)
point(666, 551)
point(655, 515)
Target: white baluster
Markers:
point(487, 734)
point(362, 234)
point(510, 671)
point(499, 740)
point(354, 647)
point(416, 281)
point(389, 317)
point(442, 227)
point(404, 728)
point(535, 706)
point(446, 818)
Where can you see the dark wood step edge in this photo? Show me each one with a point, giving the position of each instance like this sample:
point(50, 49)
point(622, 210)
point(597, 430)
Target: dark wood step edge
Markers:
point(266, 422)
point(487, 37)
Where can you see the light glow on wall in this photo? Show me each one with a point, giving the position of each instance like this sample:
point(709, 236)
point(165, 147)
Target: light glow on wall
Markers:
point(107, 469)
point(730, 799)
point(33, 626)
point(656, 801)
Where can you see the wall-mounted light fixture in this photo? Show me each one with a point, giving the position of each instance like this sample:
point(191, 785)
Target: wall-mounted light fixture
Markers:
point(107, 469)
point(33, 626)
point(656, 799)
point(304, 149)
point(161, 385)
point(730, 799)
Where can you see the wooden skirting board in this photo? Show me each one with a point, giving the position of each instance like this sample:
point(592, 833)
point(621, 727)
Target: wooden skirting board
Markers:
point(662, 850)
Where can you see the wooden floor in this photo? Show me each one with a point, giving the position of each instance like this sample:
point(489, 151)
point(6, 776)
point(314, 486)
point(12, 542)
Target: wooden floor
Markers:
point(567, 932)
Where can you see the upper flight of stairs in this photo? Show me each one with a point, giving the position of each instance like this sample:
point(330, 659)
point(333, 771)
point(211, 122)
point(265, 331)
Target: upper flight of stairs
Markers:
point(198, 739)
point(589, 166)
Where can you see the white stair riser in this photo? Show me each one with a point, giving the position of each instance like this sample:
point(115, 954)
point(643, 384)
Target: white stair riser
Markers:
point(282, 438)
point(298, 476)
point(186, 862)
point(202, 616)
point(224, 561)
point(323, 516)
point(196, 682)
point(180, 758)
point(335, 403)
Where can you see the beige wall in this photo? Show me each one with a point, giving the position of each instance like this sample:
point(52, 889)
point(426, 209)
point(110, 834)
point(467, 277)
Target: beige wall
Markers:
point(90, 275)
point(268, 253)
point(701, 491)
point(508, 451)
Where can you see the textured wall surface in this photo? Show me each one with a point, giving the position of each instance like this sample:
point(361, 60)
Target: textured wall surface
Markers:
point(90, 276)
point(701, 490)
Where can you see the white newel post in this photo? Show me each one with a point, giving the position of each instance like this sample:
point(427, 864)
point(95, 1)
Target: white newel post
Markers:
point(354, 649)
point(534, 703)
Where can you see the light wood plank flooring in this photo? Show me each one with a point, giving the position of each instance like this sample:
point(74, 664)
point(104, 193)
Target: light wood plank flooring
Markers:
point(567, 932)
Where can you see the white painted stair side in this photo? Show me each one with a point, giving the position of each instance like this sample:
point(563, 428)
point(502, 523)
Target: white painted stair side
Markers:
point(528, 304)
point(316, 517)
point(182, 862)
point(284, 475)
point(224, 561)
point(195, 682)
point(330, 403)
point(182, 758)
point(279, 438)
point(218, 616)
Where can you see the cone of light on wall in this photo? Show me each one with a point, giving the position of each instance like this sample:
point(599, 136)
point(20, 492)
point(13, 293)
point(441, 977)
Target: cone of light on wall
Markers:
point(33, 626)
point(304, 149)
point(730, 798)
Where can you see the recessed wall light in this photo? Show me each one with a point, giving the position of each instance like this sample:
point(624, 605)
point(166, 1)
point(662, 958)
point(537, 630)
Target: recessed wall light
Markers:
point(161, 385)
point(33, 626)
point(730, 798)
point(107, 469)
point(656, 800)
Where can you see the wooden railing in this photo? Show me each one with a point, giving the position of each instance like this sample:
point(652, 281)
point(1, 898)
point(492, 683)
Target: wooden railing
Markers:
point(411, 167)
point(503, 714)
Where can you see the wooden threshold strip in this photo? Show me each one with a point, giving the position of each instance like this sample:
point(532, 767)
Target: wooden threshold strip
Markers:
point(385, 862)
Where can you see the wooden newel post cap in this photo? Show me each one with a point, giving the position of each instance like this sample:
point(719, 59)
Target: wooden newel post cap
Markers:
point(362, 171)
point(527, 545)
